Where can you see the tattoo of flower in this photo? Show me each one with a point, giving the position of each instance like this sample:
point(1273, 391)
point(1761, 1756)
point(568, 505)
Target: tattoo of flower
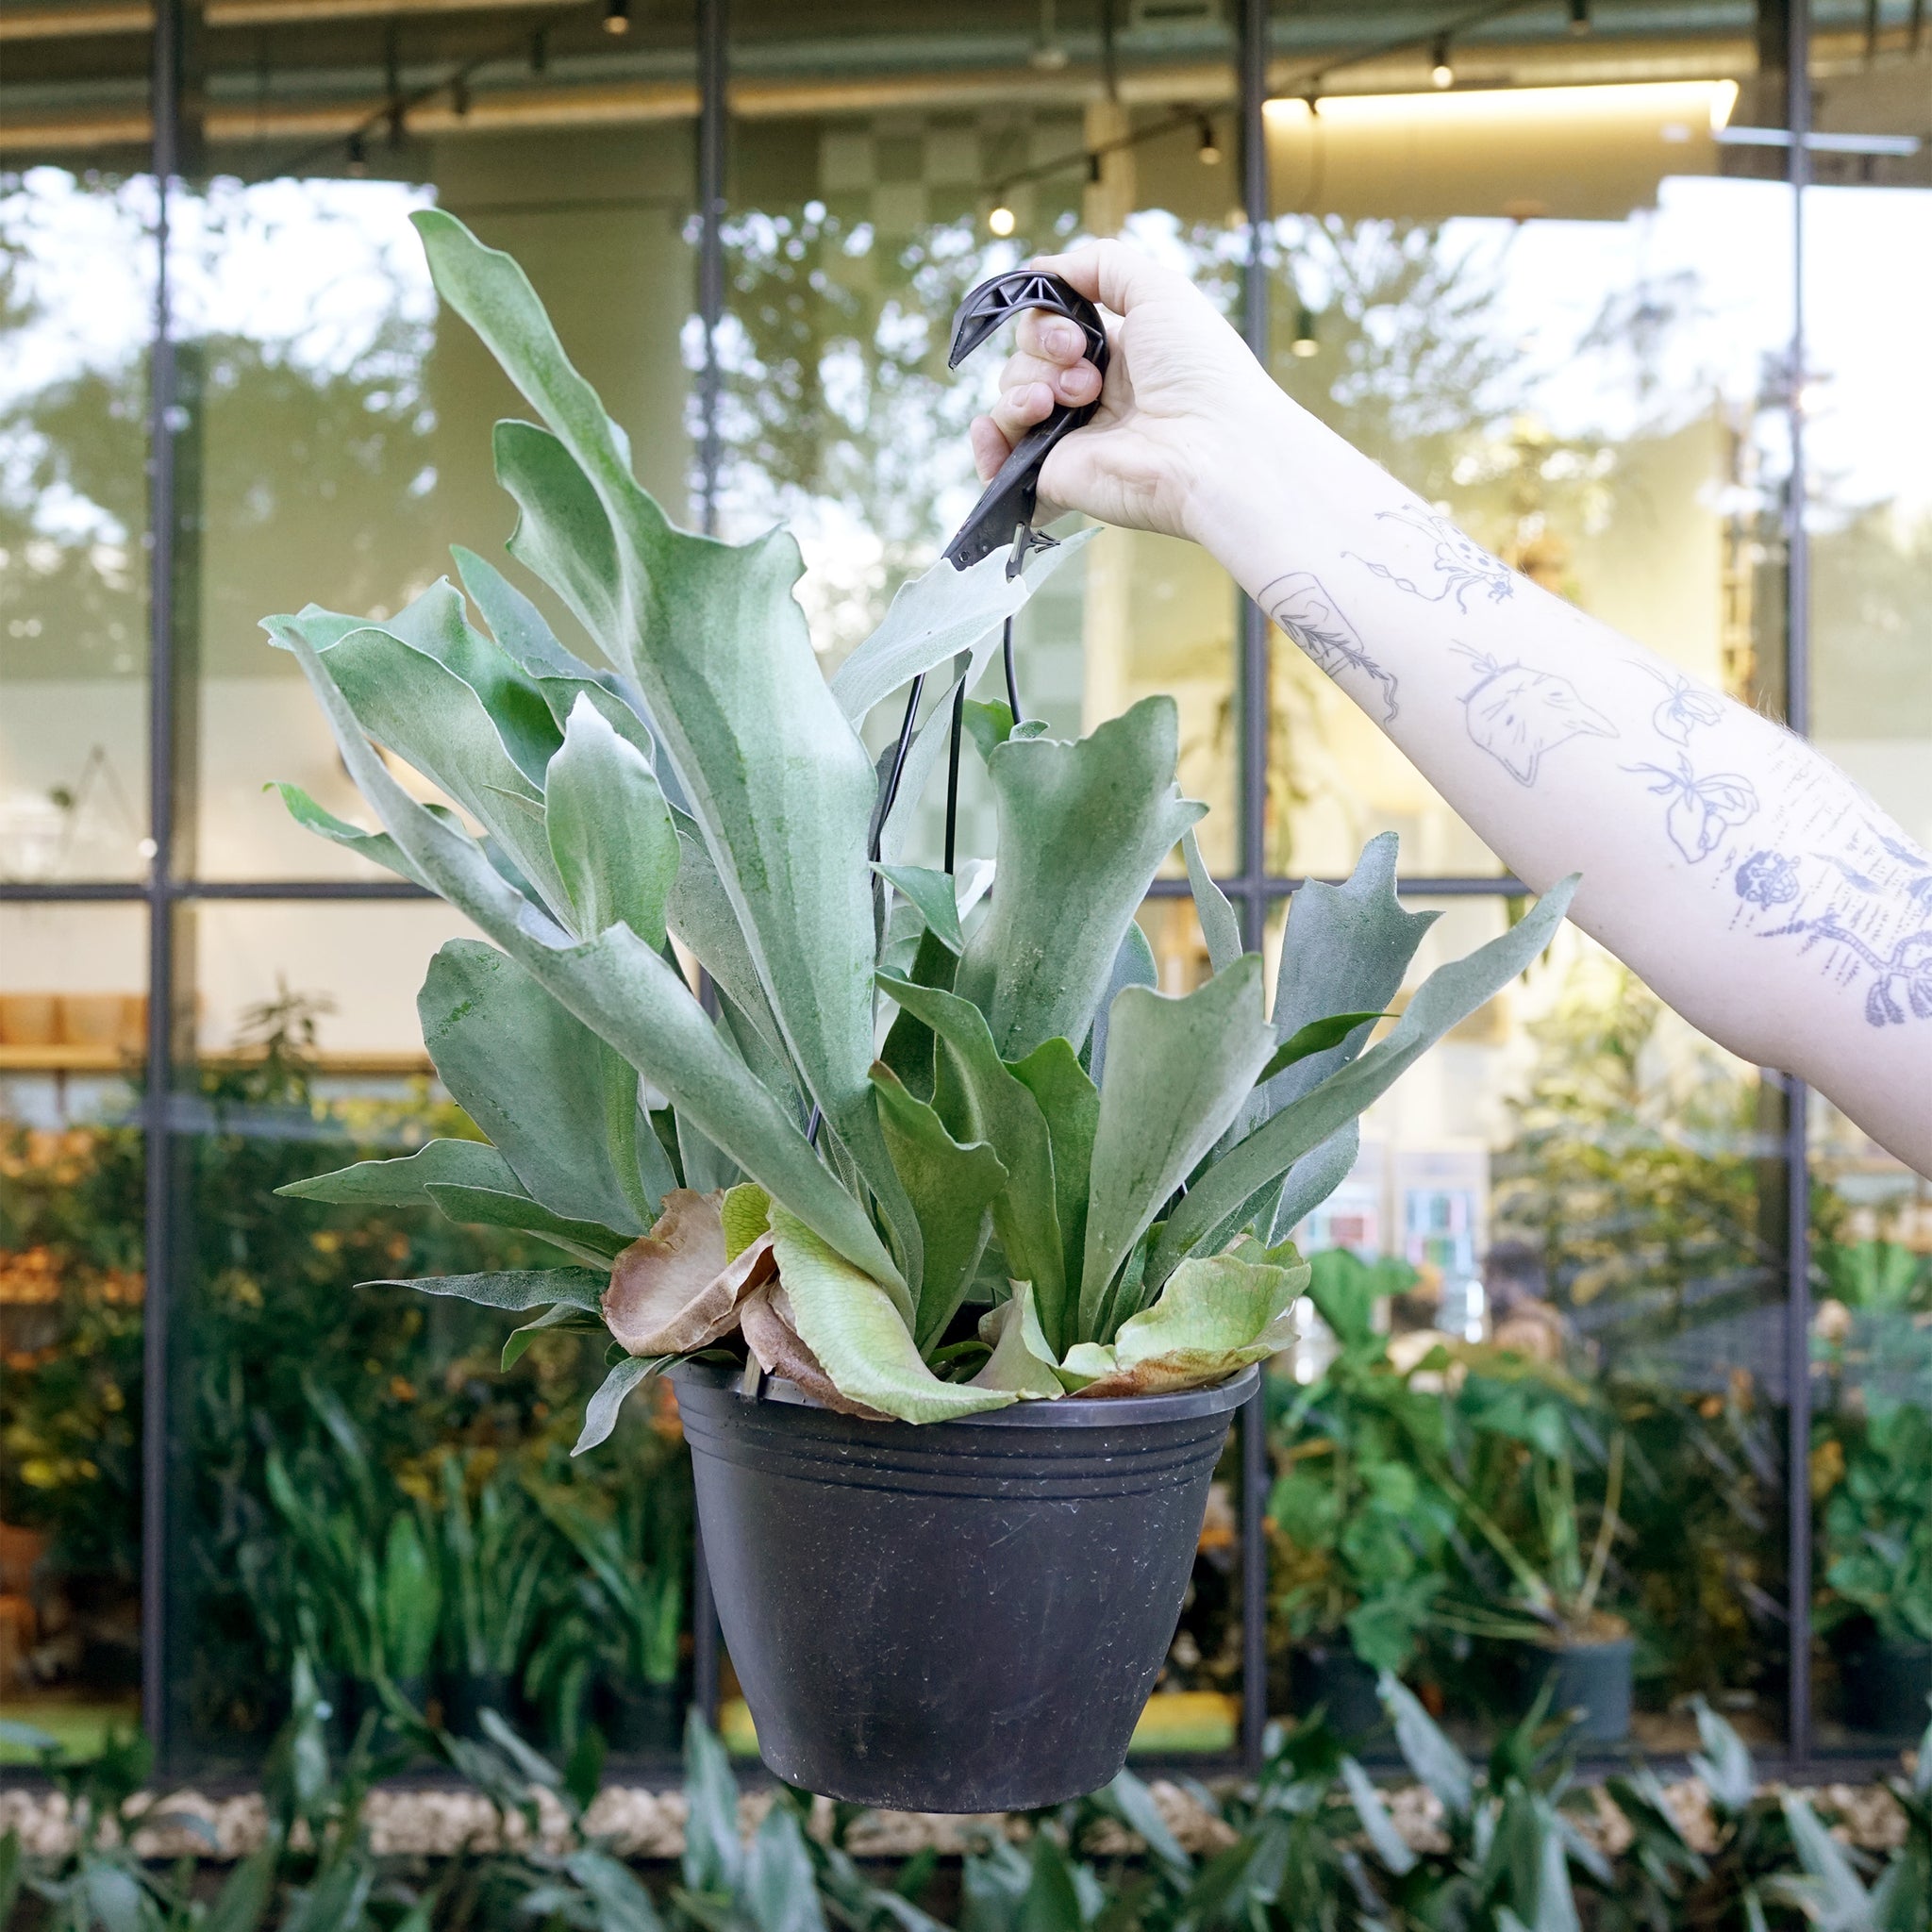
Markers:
point(1766, 878)
point(1515, 713)
point(1462, 564)
point(1701, 810)
point(1304, 612)
point(1907, 969)
point(1684, 708)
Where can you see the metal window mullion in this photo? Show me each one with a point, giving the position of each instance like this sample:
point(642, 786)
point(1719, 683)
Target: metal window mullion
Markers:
point(1252, 78)
point(713, 54)
point(1797, 682)
point(165, 85)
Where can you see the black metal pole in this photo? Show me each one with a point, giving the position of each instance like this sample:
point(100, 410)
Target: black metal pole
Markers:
point(1797, 682)
point(713, 130)
point(1253, 78)
point(157, 1212)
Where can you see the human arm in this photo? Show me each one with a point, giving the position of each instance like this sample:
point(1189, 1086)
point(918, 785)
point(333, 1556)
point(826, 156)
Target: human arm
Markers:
point(1745, 877)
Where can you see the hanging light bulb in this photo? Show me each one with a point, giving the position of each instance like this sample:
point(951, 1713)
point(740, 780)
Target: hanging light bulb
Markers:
point(1579, 16)
point(1210, 149)
point(1441, 72)
point(358, 156)
point(1049, 55)
point(1304, 345)
point(459, 95)
point(1001, 221)
point(617, 16)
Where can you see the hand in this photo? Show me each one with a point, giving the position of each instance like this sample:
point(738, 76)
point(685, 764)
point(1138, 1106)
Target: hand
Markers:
point(1179, 411)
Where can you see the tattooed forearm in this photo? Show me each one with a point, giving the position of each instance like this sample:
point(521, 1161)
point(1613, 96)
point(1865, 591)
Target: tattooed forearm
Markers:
point(1461, 565)
point(1303, 611)
point(1517, 713)
point(1851, 890)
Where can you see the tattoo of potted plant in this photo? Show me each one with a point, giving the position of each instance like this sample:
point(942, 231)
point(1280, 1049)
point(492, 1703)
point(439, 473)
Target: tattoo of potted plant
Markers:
point(961, 1270)
point(1524, 1432)
point(1364, 1531)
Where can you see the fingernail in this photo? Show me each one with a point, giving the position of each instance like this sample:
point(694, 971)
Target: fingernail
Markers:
point(1078, 382)
point(1063, 339)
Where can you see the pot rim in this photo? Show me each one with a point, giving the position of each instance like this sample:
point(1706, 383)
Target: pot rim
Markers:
point(1067, 1412)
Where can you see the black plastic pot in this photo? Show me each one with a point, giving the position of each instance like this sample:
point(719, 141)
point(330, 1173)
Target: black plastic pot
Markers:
point(469, 1695)
point(643, 1717)
point(1886, 1685)
point(1590, 1682)
point(1331, 1675)
point(967, 1616)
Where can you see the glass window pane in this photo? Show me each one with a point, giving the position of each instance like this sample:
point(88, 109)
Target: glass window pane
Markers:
point(387, 1410)
point(1556, 315)
point(1868, 397)
point(871, 188)
point(76, 308)
point(343, 418)
point(71, 1287)
point(1560, 1418)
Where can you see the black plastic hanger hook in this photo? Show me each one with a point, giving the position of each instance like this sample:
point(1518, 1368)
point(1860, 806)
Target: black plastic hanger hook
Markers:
point(1005, 513)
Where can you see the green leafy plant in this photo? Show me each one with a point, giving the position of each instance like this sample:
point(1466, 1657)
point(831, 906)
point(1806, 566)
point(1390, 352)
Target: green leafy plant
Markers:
point(1536, 1562)
point(635, 1561)
point(846, 1160)
point(493, 1553)
point(1364, 1528)
point(1877, 1540)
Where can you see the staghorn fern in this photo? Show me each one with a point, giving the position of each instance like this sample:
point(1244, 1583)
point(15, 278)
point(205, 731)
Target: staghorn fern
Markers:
point(909, 1104)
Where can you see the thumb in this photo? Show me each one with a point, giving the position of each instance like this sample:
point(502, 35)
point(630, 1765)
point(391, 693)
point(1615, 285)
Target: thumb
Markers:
point(1113, 273)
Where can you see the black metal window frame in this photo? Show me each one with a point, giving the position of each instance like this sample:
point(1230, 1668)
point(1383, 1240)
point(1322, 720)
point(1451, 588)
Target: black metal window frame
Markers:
point(172, 884)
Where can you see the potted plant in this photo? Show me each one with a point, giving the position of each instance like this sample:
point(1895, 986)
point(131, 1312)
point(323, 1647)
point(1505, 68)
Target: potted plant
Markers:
point(636, 1572)
point(492, 1552)
point(960, 1267)
point(1364, 1530)
point(1878, 1560)
point(1528, 1430)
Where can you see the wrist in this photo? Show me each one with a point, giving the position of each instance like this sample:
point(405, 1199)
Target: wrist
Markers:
point(1281, 484)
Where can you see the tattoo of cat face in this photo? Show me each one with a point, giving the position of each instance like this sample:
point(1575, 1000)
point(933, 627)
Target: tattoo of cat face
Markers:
point(1517, 713)
point(1462, 564)
point(1685, 706)
point(1301, 611)
point(1701, 810)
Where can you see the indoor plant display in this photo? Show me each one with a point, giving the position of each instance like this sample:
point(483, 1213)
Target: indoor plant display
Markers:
point(1528, 1430)
point(1365, 1527)
point(932, 1162)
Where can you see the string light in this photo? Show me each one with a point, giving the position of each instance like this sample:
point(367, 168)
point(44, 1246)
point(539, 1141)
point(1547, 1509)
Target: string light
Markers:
point(459, 95)
point(1305, 344)
point(1579, 16)
point(1441, 72)
point(1211, 148)
point(1001, 221)
point(617, 16)
point(358, 156)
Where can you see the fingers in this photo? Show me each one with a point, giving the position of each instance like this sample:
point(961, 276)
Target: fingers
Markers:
point(1019, 407)
point(1115, 275)
point(1052, 338)
point(989, 447)
point(1077, 384)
